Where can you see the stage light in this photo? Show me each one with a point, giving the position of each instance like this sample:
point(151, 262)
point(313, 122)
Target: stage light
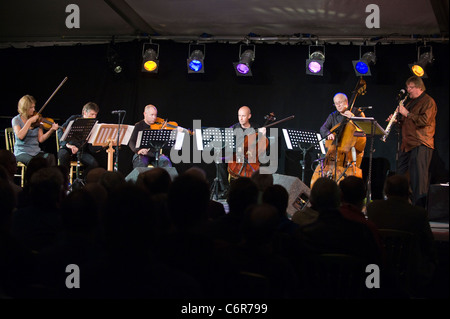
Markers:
point(243, 67)
point(195, 62)
point(314, 65)
point(362, 66)
point(418, 68)
point(150, 62)
point(113, 57)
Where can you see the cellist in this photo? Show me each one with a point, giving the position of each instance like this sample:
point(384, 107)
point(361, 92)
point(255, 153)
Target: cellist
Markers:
point(333, 120)
point(244, 116)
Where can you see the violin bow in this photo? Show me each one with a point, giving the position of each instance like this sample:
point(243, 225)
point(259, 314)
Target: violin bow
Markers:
point(51, 96)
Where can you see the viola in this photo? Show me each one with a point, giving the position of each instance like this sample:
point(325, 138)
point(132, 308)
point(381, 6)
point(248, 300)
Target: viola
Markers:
point(161, 124)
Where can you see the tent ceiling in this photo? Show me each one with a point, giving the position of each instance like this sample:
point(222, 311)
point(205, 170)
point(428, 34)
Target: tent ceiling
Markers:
point(30, 22)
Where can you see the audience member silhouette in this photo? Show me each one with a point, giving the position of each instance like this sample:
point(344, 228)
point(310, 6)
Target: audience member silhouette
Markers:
point(396, 212)
point(17, 263)
point(37, 224)
point(353, 194)
point(8, 161)
point(331, 232)
point(243, 193)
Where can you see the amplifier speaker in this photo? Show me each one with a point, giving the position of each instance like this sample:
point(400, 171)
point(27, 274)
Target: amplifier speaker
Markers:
point(437, 205)
point(298, 192)
point(135, 172)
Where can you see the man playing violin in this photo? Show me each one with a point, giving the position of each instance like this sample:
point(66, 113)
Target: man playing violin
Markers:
point(143, 157)
point(68, 149)
point(28, 136)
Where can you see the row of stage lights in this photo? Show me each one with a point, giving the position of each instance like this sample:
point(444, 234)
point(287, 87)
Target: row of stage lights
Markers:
point(314, 64)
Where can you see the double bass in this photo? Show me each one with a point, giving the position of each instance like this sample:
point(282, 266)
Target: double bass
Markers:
point(344, 153)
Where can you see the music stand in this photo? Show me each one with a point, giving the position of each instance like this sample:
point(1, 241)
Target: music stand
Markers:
point(216, 139)
point(157, 140)
point(371, 128)
point(105, 135)
point(296, 139)
point(79, 131)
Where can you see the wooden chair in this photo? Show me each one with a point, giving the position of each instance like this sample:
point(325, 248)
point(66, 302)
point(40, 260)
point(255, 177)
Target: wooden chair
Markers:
point(10, 141)
point(73, 164)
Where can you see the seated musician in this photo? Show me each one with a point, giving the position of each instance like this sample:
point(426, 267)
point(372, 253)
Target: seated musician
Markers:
point(244, 115)
point(68, 150)
point(144, 156)
point(342, 111)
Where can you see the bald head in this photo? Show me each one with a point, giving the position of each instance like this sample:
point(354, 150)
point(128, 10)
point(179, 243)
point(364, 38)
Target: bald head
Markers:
point(244, 115)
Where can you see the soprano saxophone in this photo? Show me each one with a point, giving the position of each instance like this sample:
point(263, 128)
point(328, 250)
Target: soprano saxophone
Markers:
point(393, 118)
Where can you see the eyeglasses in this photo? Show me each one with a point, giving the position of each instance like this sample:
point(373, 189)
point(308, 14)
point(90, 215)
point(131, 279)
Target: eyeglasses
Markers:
point(410, 87)
point(339, 102)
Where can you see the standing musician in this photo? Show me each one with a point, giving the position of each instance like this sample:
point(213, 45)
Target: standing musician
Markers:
point(244, 116)
point(143, 157)
point(69, 148)
point(27, 135)
point(418, 124)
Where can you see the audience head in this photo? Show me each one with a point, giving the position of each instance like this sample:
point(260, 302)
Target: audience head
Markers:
point(112, 180)
point(7, 204)
point(243, 192)
point(277, 196)
point(47, 187)
point(262, 180)
point(325, 195)
point(397, 185)
point(353, 190)
point(188, 200)
point(156, 180)
point(34, 165)
point(259, 223)
point(8, 160)
point(93, 176)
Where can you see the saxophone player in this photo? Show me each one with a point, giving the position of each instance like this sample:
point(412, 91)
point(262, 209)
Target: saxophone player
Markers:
point(418, 124)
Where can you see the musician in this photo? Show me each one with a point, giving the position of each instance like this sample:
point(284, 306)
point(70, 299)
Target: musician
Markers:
point(28, 138)
point(143, 157)
point(340, 101)
point(418, 124)
point(244, 116)
point(70, 149)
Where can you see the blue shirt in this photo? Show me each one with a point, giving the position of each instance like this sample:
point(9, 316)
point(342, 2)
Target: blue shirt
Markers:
point(30, 144)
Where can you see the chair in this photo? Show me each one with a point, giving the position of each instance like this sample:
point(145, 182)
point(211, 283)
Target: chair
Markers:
point(334, 276)
point(10, 141)
point(399, 247)
point(73, 164)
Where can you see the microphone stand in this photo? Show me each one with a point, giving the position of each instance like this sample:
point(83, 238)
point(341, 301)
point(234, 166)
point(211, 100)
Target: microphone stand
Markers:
point(116, 160)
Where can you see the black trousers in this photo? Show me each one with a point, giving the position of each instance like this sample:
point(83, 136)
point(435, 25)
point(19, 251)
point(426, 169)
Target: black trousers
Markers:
point(417, 163)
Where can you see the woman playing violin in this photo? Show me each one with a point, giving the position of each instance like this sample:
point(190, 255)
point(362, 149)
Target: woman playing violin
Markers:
point(27, 136)
point(144, 156)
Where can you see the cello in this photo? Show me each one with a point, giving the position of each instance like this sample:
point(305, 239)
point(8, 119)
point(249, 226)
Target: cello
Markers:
point(245, 163)
point(344, 153)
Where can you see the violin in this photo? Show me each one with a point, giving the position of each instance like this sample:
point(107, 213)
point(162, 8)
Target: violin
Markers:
point(161, 124)
point(46, 122)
